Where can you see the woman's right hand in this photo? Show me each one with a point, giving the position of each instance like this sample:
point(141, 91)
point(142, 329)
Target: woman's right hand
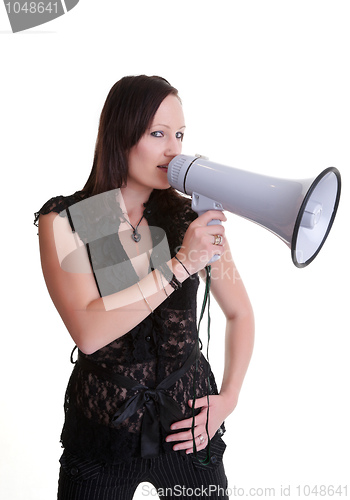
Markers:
point(198, 246)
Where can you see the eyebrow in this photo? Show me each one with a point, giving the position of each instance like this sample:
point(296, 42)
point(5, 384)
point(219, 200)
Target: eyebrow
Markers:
point(166, 126)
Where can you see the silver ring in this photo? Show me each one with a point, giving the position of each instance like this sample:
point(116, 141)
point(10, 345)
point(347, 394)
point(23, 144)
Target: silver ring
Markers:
point(217, 239)
point(201, 438)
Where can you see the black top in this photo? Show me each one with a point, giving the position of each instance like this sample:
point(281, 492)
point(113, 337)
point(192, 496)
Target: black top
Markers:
point(147, 355)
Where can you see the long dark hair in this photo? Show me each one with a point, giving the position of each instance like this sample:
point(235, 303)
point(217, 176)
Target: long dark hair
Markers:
point(128, 111)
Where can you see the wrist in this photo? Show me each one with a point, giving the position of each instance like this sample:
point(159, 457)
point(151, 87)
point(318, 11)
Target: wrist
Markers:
point(182, 265)
point(178, 269)
point(230, 400)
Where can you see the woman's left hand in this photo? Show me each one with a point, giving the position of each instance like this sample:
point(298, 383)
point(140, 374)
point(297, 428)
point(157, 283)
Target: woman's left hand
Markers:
point(219, 409)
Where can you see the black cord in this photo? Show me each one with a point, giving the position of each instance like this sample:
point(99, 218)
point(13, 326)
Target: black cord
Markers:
point(206, 302)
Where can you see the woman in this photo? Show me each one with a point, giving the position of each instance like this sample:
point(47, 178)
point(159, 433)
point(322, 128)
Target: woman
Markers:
point(121, 263)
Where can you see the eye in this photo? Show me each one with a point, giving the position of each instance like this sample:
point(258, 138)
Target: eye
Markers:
point(180, 135)
point(157, 133)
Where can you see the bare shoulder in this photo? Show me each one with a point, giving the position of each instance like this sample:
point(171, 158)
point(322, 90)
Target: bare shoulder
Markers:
point(65, 265)
point(58, 240)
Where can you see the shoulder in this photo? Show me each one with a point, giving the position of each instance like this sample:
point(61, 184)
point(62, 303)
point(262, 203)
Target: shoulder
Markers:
point(184, 214)
point(57, 204)
point(171, 205)
point(189, 215)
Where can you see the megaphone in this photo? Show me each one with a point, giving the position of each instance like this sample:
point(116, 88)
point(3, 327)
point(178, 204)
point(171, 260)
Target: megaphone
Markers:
point(300, 212)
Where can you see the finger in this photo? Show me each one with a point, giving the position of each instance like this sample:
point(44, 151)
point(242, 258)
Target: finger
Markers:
point(215, 229)
point(200, 441)
point(199, 403)
point(218, 240)
point(200, 419)
point(179, 436)
point(182, 424)
point(187, 434)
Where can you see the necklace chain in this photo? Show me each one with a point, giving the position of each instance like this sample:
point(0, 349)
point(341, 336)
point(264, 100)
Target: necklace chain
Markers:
point(136, 236)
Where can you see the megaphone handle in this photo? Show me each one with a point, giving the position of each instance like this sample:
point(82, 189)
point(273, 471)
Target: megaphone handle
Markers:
point(213, 222)
point(216, 256)
point(202, 204)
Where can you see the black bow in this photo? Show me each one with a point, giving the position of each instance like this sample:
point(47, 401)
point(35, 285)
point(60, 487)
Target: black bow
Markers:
point(160, 409)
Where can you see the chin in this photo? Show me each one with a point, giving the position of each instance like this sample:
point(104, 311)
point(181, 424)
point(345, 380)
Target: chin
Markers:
point(161, 185)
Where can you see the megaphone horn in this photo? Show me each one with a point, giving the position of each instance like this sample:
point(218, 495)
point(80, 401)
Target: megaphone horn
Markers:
point(300, 212)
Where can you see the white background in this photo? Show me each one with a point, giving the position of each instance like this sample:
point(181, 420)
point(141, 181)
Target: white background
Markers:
point(265, 87)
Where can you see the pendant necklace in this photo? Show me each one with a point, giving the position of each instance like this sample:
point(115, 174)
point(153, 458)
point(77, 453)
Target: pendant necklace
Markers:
point(136, 236)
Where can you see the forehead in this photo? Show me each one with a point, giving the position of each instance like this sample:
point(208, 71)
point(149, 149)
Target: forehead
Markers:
point(170, 113)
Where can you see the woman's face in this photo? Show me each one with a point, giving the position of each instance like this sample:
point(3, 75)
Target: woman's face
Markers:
point(150, 157)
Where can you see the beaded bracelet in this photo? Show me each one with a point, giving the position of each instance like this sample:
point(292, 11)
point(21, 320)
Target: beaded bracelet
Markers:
point(169, 276)
point(175, 283)
point(183, 265)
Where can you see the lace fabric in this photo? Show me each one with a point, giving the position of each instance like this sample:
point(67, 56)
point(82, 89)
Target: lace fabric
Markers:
point(147, 354)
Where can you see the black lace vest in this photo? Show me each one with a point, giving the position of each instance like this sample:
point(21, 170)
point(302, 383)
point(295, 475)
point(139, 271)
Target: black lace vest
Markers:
point(154, 349)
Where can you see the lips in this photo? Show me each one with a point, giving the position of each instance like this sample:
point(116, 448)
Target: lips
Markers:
point(164, 168)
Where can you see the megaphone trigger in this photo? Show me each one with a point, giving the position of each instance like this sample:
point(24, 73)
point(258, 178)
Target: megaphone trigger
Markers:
point(201, 203)
point(213, 222)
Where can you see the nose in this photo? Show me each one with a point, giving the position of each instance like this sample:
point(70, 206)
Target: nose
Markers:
point(174, 147)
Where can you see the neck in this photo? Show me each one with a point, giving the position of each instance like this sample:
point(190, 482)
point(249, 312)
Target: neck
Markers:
point(134, 200)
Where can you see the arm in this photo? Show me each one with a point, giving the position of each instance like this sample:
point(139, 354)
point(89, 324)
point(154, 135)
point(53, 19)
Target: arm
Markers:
point(229, 292)
point(94, 322)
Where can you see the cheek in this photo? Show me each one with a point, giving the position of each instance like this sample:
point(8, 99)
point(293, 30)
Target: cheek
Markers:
point(143, 152)
point(135, 158)
point(142, 155)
